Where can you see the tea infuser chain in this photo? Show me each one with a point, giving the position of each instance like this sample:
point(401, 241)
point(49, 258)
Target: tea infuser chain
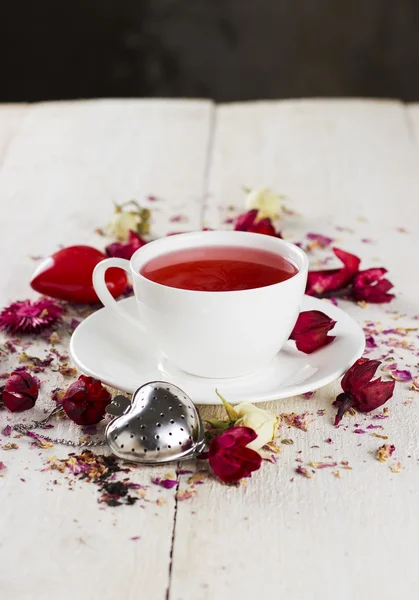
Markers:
point(26, 429)
point(159, 424)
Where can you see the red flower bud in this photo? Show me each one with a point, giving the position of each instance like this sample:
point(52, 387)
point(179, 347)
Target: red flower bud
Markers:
point(369, 286)
point(119, 250)
point(228, 456)
point(248, 222)
point(85, 401)
point(331, 280)
point(310, 331)
point(360, 392)
point(20, 391)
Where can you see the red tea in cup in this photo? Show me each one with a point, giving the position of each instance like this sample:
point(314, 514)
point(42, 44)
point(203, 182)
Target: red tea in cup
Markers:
point(218, 269)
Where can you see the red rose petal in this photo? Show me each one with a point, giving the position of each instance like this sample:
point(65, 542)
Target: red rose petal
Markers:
point(330, 280)
point(369, 286)
point(310, 331)
point(248, 222)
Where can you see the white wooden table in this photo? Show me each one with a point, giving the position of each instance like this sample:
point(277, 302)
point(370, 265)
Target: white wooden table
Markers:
point(351, 169)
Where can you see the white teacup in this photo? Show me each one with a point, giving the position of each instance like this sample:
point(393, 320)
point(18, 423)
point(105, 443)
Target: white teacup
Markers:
point(212, 334)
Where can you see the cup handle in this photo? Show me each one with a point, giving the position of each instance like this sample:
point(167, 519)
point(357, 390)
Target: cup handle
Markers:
point(104, 294)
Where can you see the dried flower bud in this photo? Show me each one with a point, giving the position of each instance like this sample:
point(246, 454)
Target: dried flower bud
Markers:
point(20, 391)
point(85, 401)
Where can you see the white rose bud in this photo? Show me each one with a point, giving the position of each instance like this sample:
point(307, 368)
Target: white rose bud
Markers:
point(122, 223)
point(266, 201)
point(263, 423)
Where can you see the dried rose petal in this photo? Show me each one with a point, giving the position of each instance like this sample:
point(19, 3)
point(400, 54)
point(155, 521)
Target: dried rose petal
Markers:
point(318, 240)
point(369, 286)
point(85, 401)
point(228, 456)
point(331, 280)
point(360, 392)
point(249, 222)
point(370, 342)
point(385, 452)
point(7, 431)
point(310, 331)
point(29, 316)
point(168, 484)
point(2, 466)
point(119, 250)
point(400, 375)
point(20, 391)
point(415, 384)
point(303, 471)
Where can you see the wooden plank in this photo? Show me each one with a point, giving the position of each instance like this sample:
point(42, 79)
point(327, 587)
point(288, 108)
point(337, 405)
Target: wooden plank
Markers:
point(66, 166)
point(11, 117)
point(350, 169)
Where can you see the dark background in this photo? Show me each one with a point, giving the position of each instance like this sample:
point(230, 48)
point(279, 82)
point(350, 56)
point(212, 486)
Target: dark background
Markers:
point(222, 49)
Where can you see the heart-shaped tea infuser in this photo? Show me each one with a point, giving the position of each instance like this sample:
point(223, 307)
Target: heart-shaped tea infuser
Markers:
point(161, 424)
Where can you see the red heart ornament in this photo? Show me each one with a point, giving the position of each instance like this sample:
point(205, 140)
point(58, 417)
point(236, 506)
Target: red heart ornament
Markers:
point(68, 273)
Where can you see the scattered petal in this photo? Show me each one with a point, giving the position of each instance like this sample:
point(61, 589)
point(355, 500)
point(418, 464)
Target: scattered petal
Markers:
point(6, 431)
point(303, 471)
point(369, 286)
point(330, 280)
point(298, 421)
point(396, 468)
point(415, 384)
point(385, 452)
point(310, 331)
point(319, 241)
point(168, 484)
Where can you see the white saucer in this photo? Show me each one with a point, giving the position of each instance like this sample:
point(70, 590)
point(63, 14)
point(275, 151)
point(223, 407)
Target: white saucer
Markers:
point(105, 347)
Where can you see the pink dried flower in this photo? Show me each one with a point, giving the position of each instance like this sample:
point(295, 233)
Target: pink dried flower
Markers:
point(310, 331)
point(20, 391)
point(359, 391)
point(29, 316)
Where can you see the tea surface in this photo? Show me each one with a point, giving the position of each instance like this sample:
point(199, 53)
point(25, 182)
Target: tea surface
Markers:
point(218, 269)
